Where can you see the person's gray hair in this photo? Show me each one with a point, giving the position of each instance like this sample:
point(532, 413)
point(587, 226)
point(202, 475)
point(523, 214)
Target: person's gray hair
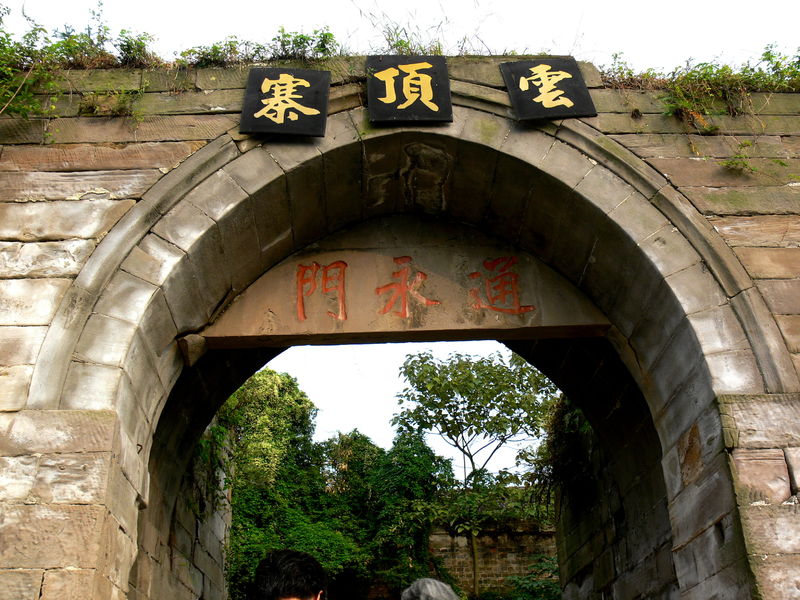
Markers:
point(428, 589)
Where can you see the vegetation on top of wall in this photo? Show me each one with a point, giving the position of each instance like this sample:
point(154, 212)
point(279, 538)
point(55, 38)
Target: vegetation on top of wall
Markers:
point(694, 91)
point(28, 64)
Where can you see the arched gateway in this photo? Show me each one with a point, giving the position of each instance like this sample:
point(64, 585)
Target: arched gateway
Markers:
point(611, 282)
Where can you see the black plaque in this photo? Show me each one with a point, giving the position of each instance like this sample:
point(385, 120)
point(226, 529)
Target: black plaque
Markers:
point(547, 88)
point(286, 101)
point(408, 88)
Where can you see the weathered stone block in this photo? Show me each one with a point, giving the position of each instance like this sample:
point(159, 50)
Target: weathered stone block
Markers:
point(93, 157)
point(771, 529)
point(151, 129)
point(72, 478)
point(51, 431)
point(221, 199)
point(307, 200)
point(710, 552)
point(735, 372)
point(105, 340)
point(677, 370)
point(60, 220)
point(217, 195)
point(193, 232)
point(125, 297)
point(778, 576)
point(17, 476)
point(254, 170)
point(669, 251)
point(157, 327)
point(68, 584)
point(770, 263)
point(781, 295)
point(718, 330)
point(21, 584)
point(792, 456)
point(770, 200)
point(30, 301)
point(121, 500)
point(20, 345)
point(50, 536)
point(702, 503)
point(116, 185)
point(694, 172)
point(140, 367)
point(764, 231)
point(191, 102)
point(116, 552)
point(696, 289)
point(14, 383)
point(533, 146)
point(45, 259)
point(790, 328)
point(22, 131)
point(132, 460)
point(604, 189)
point(170, 364)
point(762, 421)
point(637, 217)
point(187, 574)
point(90, 387)
point(182, 291)
point(761, 475)
point(153, 260)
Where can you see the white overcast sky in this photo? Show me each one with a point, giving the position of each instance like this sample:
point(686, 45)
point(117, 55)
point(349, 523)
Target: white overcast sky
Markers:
point(356, 386)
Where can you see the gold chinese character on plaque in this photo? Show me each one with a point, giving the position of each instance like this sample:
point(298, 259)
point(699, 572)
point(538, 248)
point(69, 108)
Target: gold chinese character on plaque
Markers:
point(288, 101)
point(546, 80)
point(548, 88)
point(408, 88)
point(282, 98)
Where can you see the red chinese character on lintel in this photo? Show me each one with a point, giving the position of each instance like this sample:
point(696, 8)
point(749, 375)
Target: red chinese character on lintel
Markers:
point(332, 280)
point(404, 287)
point(502, 290)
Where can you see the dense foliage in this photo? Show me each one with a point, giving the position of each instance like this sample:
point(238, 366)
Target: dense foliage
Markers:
point(478, 406)
point(364, 512)
point(346, 501)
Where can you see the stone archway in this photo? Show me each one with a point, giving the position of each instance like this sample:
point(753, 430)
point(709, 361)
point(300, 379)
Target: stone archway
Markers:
point(685, 322)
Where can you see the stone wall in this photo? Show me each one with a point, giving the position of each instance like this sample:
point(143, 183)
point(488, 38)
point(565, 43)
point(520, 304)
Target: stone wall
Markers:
point(502, 554)
point(99, 277)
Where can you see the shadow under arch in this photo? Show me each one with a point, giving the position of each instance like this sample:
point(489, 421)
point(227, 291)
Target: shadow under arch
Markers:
point(610, 227)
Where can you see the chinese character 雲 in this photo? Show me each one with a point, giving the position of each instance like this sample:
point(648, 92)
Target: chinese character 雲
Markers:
point(402, 288)
point(283, 99)
point(500, 289)
point(332, 282)
point(544, 79)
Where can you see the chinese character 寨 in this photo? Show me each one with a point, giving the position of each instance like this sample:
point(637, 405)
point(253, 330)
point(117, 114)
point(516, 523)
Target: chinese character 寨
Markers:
point(402, 288)
point(416, 86)
point(284, 99)
point(502, 290)
point(546, 81)
point(333, 279)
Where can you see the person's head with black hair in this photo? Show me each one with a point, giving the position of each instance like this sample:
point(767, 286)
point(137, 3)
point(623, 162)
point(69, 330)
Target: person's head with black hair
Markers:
point(288, 575)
